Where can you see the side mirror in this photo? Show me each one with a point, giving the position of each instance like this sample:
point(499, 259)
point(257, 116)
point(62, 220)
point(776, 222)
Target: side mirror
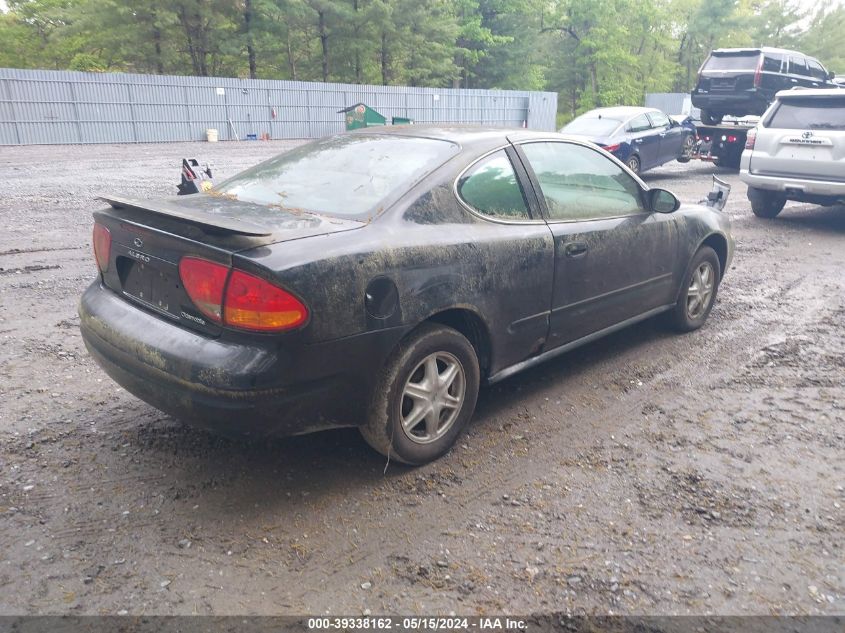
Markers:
point(831, 75)
point(662, 201)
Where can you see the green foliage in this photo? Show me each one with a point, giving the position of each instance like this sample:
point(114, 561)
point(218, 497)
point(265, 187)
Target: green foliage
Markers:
point(592, 52)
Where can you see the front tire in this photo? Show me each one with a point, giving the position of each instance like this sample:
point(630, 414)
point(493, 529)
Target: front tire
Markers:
point(424, 397)
point(686, 150)
point(698, 292)
point(765, 204)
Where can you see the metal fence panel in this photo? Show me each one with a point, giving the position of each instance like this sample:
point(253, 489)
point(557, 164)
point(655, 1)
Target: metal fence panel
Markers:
point(672, 103)
point(58, 107)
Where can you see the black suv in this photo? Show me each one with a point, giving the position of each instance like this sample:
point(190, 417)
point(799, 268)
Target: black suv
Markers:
point(743, 81)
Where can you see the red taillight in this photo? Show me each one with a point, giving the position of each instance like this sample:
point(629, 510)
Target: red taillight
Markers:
point(102, 246)
point(750, 139)
point(239, 299)
point(255, 304)
point(732, 139)
point(758, 74)
point(612, 148)
point(204, 281)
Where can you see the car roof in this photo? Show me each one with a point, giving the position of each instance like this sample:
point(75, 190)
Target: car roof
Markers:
point(619, 112)
point(761, 49)
point(810, 92)
point(466, 136)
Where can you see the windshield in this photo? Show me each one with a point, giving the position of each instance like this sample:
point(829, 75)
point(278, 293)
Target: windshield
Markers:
point(810, 113)
point(592, 126)
point(737, 61)
point(350, 175)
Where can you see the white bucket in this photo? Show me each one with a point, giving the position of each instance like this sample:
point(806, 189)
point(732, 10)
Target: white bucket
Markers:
point(211, 135)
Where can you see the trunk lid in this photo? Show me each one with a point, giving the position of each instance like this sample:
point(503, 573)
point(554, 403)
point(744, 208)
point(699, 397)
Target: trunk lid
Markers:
point(149, 238)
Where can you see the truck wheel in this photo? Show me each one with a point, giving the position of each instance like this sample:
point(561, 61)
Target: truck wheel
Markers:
point(424, 397)
point(711, 118)
point(765, 204)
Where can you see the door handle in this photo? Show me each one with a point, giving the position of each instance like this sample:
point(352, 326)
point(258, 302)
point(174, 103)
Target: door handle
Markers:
point(575, 249)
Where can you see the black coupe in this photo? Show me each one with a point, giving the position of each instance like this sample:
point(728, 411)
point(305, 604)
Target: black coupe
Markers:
point(378, 278)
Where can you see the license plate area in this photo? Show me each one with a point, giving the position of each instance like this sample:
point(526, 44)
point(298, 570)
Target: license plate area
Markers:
point(153, 282)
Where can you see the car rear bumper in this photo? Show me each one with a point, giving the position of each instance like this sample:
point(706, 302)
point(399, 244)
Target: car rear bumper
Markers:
point(731, 103)
point(793, 187)
point(258, 388)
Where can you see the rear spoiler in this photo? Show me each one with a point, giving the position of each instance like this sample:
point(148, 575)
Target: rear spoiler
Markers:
point(205, 220)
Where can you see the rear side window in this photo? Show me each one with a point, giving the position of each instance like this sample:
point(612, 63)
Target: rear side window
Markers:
point(737, 61)
point(809, 113)
point(491, 187)
point(351, 175)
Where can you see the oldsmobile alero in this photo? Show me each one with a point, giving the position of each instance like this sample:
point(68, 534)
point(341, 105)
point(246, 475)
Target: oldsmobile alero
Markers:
point(378, 278)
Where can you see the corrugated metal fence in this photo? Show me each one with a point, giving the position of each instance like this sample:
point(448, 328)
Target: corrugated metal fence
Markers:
point(672, 103)
point(61, 107)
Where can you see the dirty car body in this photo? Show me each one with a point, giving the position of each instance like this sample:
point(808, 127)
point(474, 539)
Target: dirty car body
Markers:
point(489, 236)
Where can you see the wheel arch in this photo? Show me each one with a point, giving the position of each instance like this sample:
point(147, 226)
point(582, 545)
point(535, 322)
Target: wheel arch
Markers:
point(470, 324)
point(718, 243)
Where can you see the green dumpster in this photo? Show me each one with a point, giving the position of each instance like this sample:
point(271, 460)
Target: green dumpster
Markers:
point(360, 115)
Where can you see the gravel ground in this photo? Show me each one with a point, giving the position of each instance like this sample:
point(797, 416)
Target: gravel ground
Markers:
point(647, 473)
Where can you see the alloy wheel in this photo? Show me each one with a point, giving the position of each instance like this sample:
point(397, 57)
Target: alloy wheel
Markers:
point(432, 398)
point(700, 290)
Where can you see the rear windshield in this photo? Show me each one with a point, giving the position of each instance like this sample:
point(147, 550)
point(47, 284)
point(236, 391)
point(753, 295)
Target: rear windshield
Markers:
point(738, 61)
point(592, 126)
point(809, 113)
point(349, 175)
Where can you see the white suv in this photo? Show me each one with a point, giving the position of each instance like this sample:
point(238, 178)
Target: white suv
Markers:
point(797, 152)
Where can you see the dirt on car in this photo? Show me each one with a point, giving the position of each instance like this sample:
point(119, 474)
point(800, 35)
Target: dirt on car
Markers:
point(646, 473)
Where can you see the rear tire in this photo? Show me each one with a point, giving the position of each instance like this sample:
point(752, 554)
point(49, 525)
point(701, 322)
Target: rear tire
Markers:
point(766, 204)
point(711, 118)
point(424, 396)
point(633, 163)
point(698, 292)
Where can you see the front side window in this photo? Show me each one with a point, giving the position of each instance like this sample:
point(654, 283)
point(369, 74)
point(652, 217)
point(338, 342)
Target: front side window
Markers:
point(816, 70)
point(578, 183)
point(797, 66)
point(639, 124)
point(659, 119)
point(491, 187)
